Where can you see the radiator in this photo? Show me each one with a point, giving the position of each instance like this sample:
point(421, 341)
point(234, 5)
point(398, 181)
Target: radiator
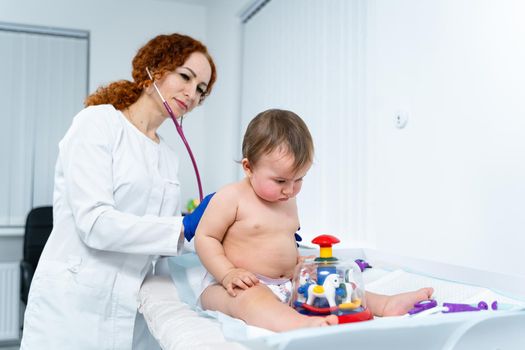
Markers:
point(9, 301)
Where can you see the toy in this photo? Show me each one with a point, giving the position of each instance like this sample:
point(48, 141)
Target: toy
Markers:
point(362, 264)
point(192, 204)
point(428, 307)
point(327, 285)
point(327, 290)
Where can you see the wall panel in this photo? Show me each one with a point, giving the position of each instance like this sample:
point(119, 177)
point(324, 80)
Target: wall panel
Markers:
point(302, 55)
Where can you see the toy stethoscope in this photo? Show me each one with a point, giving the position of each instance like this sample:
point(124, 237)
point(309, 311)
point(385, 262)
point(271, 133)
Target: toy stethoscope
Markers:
point(178, 126)
point(427, 307)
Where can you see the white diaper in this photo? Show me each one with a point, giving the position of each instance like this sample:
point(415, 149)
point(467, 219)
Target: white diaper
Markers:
point(207, 281)
point(281, 287)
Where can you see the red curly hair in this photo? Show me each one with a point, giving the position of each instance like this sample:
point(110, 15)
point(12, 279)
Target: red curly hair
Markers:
point(161, 55)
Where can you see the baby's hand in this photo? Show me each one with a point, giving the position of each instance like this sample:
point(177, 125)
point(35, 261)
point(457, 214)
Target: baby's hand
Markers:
point(238, 278)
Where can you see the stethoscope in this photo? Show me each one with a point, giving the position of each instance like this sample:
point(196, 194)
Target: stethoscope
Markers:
point(178, 126)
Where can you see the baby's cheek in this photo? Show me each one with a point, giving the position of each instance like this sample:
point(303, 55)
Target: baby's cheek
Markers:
point(267, 193)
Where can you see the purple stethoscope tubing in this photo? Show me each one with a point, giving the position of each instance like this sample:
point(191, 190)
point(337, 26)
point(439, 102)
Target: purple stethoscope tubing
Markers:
point(178, 126)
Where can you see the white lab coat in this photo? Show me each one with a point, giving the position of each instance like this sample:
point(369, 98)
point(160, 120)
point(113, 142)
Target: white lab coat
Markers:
point(116, 208)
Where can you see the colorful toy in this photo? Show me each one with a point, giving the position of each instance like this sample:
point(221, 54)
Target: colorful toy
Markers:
point(326, 285)
point(326, 291)
point(192, 204)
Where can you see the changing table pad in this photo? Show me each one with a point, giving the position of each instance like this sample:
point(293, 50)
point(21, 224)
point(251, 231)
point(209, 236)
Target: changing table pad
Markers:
point(468, 330)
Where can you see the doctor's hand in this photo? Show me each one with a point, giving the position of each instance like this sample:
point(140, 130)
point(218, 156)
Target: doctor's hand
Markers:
point(191, 221)
point(238, 278)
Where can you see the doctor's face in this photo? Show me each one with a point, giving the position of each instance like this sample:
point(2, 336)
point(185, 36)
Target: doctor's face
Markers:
point(184, 88)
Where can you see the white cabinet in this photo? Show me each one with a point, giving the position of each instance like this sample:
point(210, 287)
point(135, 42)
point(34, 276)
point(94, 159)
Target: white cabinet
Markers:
point(43, 82)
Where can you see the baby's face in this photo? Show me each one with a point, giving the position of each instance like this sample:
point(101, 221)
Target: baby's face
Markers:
point(273, 177)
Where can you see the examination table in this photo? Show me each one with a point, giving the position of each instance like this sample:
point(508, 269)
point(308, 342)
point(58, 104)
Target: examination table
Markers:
point(168, 305)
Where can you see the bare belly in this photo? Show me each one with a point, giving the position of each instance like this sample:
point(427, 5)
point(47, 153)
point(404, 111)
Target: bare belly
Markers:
point(273, 259)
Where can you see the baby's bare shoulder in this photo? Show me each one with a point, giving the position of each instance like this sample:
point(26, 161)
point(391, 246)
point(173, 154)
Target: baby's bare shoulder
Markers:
point(230, 193)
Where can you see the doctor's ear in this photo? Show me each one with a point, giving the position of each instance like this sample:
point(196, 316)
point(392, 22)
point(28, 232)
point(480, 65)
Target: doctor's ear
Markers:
point(148, 87)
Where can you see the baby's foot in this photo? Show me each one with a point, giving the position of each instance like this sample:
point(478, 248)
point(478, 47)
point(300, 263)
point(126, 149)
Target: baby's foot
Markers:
point(399, 304)
point(329, 320)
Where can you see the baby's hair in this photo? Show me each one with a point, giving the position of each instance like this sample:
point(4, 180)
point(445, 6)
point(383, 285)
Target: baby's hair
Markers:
point(276, 128)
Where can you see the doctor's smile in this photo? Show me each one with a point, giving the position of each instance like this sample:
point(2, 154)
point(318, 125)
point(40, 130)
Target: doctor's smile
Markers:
point(182, 105)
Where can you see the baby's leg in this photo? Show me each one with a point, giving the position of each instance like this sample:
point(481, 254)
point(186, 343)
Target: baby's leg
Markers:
point(258, 306)
point(398, 304)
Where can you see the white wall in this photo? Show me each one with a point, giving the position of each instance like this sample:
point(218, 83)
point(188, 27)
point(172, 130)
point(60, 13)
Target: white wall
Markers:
point(451, 185)
point(222, 131)
point(301, 55)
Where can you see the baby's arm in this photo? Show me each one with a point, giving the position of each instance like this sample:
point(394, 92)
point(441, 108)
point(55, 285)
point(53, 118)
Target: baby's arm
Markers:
point(218, 217)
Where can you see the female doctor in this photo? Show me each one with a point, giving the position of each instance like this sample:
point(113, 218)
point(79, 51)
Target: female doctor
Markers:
point(117, 203)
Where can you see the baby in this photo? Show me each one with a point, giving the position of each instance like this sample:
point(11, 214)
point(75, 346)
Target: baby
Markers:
point(246, 239)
